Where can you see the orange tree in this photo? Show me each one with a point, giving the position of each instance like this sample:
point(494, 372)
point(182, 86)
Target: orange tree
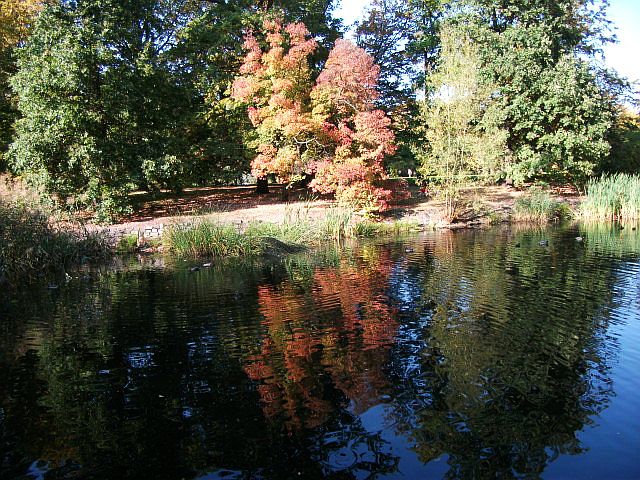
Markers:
point(331, 129)
point(275, 83)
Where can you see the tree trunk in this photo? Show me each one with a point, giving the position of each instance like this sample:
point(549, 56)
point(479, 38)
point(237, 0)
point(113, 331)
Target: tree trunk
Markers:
point(262, 186)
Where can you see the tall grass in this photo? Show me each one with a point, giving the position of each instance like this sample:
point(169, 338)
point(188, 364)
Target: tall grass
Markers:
point(538, 207)
point(210, 238)
point(32, 244)
point(338, 223)
point(614, 197)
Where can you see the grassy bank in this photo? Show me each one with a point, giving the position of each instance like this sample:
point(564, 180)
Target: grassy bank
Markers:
point(208, 237)
point(539, 207)
point(615, 197)
point(32, 244)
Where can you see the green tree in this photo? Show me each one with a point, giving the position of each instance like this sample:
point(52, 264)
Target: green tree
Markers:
point(625, 143)
point(558, 108)
point(16, 17)
point(554, 106)
point(98, 100)
point(460, 117)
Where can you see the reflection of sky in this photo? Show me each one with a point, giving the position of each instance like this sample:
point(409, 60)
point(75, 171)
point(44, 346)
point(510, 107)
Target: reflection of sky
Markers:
point(141, 357)
point(376, 420)
point(614, 432)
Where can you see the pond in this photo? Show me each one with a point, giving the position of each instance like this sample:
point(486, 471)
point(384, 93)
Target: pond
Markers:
point(469, 354)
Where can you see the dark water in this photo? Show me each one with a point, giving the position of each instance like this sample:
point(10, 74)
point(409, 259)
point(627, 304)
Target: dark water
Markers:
point(446, 355)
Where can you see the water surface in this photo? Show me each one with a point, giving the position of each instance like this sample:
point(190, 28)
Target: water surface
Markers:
point(479, 354)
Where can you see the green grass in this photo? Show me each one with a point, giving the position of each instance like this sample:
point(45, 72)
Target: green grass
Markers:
point(127, 244)
point(32, 244)
point(614, 197)
point(210, 238)
point(537, 206)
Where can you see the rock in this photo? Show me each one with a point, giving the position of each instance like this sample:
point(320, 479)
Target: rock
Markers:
point(579, 239)
point(274, 247)
point(543, 243)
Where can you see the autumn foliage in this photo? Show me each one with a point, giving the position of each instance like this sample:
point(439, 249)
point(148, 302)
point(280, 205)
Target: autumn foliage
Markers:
point(330, 129)
point(15, 19)
point(303, 359)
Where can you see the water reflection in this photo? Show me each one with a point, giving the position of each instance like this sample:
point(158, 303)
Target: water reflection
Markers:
point(484, 350)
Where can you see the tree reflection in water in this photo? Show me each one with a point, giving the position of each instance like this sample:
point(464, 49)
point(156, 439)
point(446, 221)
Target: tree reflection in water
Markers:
point(489, 355)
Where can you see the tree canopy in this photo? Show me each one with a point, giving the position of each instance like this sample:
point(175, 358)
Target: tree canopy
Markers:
point(331, 129)
point(102, 97)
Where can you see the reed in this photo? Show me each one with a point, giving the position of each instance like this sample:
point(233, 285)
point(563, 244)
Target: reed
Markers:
point(206, 238)
point(33, 243)
point(539, 207)
point(338, 224)
point(613, 197)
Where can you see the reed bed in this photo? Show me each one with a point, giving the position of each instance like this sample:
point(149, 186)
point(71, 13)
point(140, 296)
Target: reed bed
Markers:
point(211, 238)
point(539, 207)
point(33, 243)
point(614, 197)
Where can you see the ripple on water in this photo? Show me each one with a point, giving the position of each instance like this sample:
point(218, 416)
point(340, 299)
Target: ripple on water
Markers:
point(485, 349)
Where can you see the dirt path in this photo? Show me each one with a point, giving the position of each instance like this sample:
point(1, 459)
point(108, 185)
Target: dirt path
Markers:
point(237, 205)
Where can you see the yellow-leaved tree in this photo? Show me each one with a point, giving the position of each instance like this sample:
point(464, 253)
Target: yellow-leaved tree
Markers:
point(16, 18)
point(461, 125)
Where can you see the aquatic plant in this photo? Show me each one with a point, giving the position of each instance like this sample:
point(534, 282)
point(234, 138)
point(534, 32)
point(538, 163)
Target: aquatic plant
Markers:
point(127, 244)
point(614, 197)
point(34, 243)
point(539, 207)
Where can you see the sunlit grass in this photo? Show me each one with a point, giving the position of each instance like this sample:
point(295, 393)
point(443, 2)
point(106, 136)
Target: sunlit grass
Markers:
point(615, 197)
point(538, 206)
point(211, 238)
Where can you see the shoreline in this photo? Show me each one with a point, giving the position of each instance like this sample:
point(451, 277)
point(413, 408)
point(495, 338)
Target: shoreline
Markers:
point(481, 207)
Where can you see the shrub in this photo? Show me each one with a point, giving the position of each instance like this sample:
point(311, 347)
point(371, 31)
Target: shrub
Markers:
point(31, 244)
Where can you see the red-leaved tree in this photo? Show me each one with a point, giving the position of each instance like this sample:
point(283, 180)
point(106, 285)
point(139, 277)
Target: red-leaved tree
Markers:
point(332, 129)
point(275, 83)
point(358, 135)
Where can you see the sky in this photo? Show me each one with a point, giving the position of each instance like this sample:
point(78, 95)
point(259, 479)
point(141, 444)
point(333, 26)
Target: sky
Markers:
point(624, 56)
